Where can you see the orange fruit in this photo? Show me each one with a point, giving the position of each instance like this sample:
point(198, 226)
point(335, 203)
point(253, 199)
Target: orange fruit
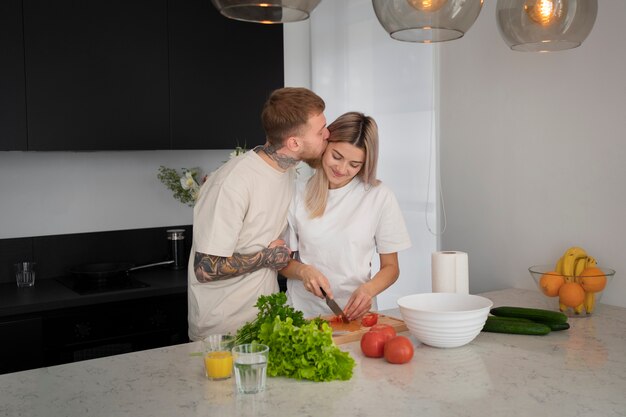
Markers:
point(571, 294)
point(592, 279)
point(550, 283)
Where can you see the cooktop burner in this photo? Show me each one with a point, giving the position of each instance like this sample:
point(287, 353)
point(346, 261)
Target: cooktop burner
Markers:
point(87, 286)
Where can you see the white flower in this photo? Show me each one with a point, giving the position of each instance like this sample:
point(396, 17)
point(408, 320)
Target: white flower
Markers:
point(187, 181)
point(194, 193)
point(238, 151)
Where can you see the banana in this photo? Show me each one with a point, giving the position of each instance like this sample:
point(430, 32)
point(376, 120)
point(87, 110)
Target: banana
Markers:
point(562, 307)
point(580, 265)
point(569, 259)
point(559, 266)
point(590, 297)
point(590, 301)
point(591, 261)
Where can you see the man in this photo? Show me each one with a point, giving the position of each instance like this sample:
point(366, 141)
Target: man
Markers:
point(242, 211)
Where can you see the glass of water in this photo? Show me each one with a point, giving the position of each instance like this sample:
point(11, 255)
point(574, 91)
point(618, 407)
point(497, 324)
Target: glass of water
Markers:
point(25, 274)
point(250, 367)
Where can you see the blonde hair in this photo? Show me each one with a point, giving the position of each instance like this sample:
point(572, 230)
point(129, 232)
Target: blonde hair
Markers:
point(356, 129)
point(287, 111)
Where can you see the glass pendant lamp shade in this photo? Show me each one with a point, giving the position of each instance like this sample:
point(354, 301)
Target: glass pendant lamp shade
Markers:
point(427, 20)
point(268, 11)
point(545, 25)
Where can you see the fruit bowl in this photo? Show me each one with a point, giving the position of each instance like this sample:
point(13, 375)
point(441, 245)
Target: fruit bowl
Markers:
point(576, 296)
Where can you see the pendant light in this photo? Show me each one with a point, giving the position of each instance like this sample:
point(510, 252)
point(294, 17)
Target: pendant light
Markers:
point(427, 21)
point(545, 25)
point(268, 11)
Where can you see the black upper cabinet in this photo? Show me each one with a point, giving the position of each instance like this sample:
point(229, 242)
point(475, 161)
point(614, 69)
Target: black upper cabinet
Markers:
point(12, 93)
point(221, 73)
point(96, 74)
point(124, 75)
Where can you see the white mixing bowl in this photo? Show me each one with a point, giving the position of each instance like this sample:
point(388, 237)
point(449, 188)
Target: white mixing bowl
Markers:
point(444, 320)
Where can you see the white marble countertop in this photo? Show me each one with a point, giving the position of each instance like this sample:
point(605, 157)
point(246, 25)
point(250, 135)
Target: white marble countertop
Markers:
point(579, 372)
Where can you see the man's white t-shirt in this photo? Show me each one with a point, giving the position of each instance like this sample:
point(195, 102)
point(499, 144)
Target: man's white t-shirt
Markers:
point(358, 220)
point(242, 208)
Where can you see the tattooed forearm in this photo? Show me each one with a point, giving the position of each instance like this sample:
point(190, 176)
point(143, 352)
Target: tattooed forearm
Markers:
point(215, 268)
point(283, 161)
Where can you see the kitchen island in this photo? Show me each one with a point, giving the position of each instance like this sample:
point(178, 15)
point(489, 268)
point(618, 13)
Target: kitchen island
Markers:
point(578, 372)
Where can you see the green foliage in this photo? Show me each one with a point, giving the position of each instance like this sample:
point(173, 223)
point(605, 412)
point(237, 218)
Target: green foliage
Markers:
point(299, 348)
point(304, 352)
point(269, 306)
point(172, 180)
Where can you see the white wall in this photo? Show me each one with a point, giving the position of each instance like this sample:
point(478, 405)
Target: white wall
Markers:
point(532, 151)
point(47, 193)
point(356, 66)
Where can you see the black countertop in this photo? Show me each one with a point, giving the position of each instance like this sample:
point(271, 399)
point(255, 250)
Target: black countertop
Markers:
point(50, 294)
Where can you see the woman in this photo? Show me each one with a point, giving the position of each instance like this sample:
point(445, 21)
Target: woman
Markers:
point(338, 219)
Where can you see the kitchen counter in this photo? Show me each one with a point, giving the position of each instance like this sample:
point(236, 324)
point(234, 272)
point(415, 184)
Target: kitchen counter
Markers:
point(50, 294)
point(579, 372)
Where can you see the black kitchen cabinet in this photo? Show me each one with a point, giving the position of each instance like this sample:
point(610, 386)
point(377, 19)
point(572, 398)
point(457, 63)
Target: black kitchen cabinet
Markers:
point(72, 335)
point(21, 346)
point(12, 87)
point(221, 73)
point(103, 329)
point(120, 75)
point(96, 74)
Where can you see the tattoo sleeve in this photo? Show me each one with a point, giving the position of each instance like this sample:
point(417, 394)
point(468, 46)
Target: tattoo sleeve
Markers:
point(216, 268)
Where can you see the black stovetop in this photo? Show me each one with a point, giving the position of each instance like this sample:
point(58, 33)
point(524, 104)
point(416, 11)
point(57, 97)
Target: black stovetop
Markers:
point(92, 286)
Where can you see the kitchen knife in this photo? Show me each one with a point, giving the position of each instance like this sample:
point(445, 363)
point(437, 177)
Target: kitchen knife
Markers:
point(335, 307)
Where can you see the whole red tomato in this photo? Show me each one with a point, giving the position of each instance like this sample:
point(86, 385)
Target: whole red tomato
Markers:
point(369, 319)
point(373, 344)
point(385, 329)
point(398, 350)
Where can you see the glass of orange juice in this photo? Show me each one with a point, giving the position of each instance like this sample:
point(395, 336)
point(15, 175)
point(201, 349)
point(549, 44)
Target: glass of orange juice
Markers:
point(218, 359)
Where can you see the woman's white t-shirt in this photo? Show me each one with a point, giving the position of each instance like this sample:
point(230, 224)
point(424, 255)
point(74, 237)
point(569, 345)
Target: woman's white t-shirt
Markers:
point(358, 220)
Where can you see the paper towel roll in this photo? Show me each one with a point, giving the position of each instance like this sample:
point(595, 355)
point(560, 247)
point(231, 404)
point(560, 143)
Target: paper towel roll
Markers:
point(450, 272)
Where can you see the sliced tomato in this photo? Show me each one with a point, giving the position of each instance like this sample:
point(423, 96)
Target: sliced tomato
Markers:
point(369, 319)
point(336, 319)
point(373, 344)
point(398, 350)
point(385, 329)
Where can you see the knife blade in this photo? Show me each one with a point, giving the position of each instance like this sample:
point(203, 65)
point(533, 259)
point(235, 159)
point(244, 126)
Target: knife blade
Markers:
point(334, 307)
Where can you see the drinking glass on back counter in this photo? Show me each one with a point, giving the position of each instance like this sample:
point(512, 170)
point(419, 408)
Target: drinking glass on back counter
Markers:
point(250, 367)
point(25, 274)
point(218, 358)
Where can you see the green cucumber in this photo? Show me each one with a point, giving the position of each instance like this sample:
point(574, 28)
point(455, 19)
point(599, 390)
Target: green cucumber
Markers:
point(555, 327)
point(534, 314)
point(497, 325)
point(513, 319)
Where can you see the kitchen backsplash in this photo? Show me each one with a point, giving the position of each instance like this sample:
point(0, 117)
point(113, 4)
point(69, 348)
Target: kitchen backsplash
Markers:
point(56, 254)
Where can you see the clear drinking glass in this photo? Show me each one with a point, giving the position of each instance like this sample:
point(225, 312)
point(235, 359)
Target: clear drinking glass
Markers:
point(218, 358)
point(250, 367)
point(25, 274)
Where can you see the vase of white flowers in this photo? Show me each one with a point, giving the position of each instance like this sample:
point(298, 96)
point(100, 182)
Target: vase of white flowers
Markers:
point(185, 184)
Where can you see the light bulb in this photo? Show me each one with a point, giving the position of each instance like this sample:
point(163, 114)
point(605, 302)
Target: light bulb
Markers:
point(427, 5)
point(546, 12)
